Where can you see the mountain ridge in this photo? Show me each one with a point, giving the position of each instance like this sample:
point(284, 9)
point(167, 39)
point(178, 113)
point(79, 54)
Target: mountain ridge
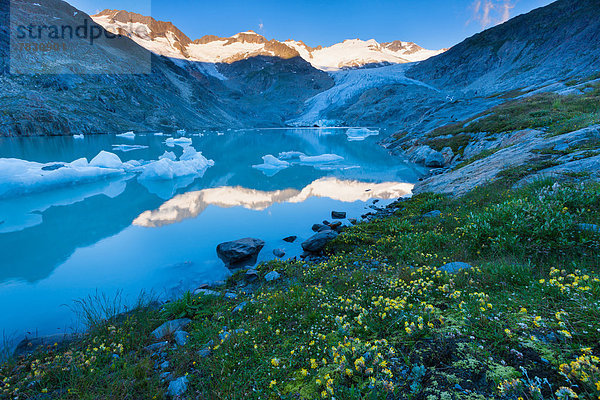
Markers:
point(164, 38)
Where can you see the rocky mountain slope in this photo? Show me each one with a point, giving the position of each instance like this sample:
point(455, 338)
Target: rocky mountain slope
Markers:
point(116, 85)
point(165, 39)
point(543, 50)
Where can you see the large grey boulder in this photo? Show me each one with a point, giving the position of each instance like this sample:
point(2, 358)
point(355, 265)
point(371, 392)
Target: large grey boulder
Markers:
point(170, 327)
point(242, 251)
point(434, 160)
point(316, 242)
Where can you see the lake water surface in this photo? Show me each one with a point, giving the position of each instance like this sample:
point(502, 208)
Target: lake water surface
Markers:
point(123, 233)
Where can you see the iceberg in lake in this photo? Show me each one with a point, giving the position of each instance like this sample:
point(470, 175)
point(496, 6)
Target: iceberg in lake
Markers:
point(171, 142)
point(320, 159)
point(19, 177)
point(169, 155)
point(105, 159)
point(128, 147)
point(126, 135)
point(191, 163)
point(271, 165)
point(359, 134)
point(78, 136)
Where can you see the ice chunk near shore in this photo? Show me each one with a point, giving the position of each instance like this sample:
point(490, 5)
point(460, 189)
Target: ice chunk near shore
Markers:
point(128, 147)
point(169, 155)
point(19, 177)
point(271, 165)
point(359, 134)
point(80, 136)
point(159, 134)
point(105, 159)
point(126, 135)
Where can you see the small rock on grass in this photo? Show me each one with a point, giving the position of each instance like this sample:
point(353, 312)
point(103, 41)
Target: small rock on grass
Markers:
point(432, 214)
point(240, 307)
point(454, 267)
point(170, 327)
point(251, 275)
point(178, 387)
point(205, 292)
point(156, 346)
point(205, 352)
point(316, 242)
point(181, 338)
point(272, 276)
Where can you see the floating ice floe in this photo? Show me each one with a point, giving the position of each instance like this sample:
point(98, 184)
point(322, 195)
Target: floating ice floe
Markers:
point(171, 142)
point(320, 159)
point(359, 134)
point(191, 163)
point(159, 134)
point(128, 147)
point(20, 177)
point(126, 135)
point(169, 155)
point(290, 155)
point(80, 136)
point(181, 131)
point(220, 133)
point(271, 165)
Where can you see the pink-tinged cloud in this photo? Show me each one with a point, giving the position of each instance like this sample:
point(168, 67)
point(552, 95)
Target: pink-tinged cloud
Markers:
point(488, 13)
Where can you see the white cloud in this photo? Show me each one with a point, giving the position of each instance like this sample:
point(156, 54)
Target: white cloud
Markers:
point(488, 13)
point(261, 26)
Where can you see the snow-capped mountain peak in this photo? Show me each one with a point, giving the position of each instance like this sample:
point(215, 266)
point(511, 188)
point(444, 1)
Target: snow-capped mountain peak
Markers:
point(164, 38)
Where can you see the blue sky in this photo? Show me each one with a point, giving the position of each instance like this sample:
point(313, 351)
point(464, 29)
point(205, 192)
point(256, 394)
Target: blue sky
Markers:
point(432, 24)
